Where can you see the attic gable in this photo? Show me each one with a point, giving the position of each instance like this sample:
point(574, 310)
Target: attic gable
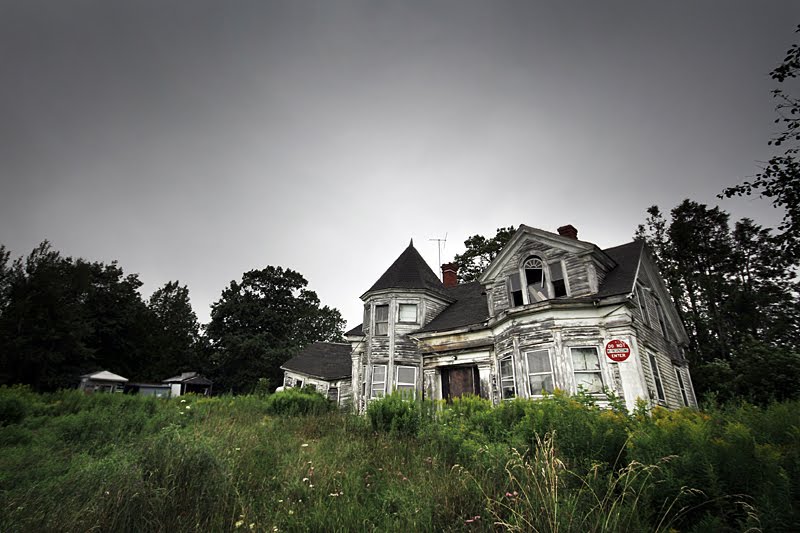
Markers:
point(525, 235)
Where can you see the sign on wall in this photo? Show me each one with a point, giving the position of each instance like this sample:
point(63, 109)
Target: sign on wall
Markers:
point(618, 350)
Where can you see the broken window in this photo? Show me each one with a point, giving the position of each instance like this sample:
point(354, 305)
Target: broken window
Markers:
point(535, 279)
point(406, 381)
point(381, 320)
point(333, 394)
point(507, 385)
point(407, 313)
point(515, 290)
point(586, 364)
point(682, 386)
point(656, 376)
point(662, 322)
point(642, 305)
point(557, 279)
point(378, 381)
point(540, 373)
point(299, 383)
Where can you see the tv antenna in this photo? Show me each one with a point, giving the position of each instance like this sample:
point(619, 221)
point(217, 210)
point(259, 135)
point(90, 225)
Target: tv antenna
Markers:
point(440, 243)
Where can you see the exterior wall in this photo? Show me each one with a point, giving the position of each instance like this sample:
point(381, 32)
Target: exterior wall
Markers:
point(345, 394)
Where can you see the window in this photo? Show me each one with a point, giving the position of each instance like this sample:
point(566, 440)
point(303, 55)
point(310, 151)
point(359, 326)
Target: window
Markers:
point(540, 373)
point(287, 381)
point(299, 383)
point(661, 318)
point(378, 381)
point(515, 290)
point(333, 394)
point(656, 376)
point(557, 279)
point(507, 386)
point(407, 313)
point(681, 386)
point(534, 279)
point(406, 380)
point(642, 305)
point(363, 381)
point(381, 320)
point(586, 365)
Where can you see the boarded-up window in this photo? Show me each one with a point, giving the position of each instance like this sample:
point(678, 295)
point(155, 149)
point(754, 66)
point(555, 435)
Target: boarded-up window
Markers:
point(381, 319)
point(586, 364)
point(540, 373)
point(406, 381)
point(407, 313)
point(378, 381)
point(507, 385)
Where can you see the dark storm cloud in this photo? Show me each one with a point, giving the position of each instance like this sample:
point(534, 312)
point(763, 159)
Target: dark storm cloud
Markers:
point(198, 139)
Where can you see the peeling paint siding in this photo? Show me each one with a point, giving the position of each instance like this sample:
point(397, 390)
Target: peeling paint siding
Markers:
point(432, 310)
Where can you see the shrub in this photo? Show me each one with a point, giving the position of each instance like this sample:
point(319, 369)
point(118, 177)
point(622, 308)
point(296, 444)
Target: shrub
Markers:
point(394, 414)
point(293, 402)
point(12, 409)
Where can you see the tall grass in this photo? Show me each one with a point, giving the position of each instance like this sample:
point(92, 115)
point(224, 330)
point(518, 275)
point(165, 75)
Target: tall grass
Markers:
point(71, 462)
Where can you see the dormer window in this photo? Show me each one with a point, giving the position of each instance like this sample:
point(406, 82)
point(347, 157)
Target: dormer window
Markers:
point(537, 281)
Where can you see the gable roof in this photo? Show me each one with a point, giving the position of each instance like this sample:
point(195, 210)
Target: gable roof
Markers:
point(409, 271)
point(470, 308)
point(621, 279)
point(326, 360)
point(105, 375)
point(189, 377)
point(356, 331)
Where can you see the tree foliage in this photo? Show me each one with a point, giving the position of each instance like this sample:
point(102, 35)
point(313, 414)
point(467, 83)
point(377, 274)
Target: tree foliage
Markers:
point(261, 321)
point(480, 252)
point(779, 179)
point(736, 297)
point(62, 317)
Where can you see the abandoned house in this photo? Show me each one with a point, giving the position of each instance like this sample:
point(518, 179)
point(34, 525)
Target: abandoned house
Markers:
point(324, 366)
point(549, 312)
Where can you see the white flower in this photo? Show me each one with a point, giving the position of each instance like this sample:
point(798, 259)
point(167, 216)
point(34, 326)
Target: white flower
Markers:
point(304, 445)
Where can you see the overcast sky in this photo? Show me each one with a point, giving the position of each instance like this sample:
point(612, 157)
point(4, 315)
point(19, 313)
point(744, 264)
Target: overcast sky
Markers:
point(195, 140)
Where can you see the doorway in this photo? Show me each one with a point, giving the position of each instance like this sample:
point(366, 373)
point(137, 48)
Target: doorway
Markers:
point(459, 381)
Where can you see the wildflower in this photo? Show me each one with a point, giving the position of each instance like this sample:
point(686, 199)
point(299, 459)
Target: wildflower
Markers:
point(253, 525)
point(304, 445)
point(305, 479)
point(274, 528)
point(310, 486)
point(183, 401)
point(239, 523)
point(291, 511)
point(188, 407)
point(280, 501)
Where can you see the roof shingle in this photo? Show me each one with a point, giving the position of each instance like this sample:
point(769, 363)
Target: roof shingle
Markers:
point(409, 271)
point(326, 360)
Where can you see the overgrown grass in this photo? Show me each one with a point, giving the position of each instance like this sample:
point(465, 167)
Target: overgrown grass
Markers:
point(71, 462)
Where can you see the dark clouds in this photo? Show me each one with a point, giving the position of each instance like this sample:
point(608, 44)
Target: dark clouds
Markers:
point(198, 139)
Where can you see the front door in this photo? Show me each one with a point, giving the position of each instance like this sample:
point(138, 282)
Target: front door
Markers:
point(458, 381)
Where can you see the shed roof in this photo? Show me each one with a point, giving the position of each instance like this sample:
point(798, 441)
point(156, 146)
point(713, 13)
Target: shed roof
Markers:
point(326, 360)
point(409, 271)
point(189, 377)
point(105, 375)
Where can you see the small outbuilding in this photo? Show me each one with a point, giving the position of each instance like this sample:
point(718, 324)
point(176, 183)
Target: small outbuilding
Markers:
point(102, 381)
point(326, 366)
point(189, 382)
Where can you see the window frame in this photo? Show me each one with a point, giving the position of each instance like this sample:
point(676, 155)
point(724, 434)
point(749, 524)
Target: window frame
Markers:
point(662, 318)
point(598, 371)
point(548, 290)
point(640, 297)
point(372, 382)
point(399, 313)
point(681, 385)
point(412, 386)
point(513, 378)
point(655, 371)
point(377, 332)
point(528, 369)
point(328, 394)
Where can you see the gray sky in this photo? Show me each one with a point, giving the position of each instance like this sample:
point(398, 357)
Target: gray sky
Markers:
point(196, 140)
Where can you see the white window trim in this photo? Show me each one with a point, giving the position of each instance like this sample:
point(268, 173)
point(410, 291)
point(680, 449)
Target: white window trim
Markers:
point(681, 385)
point(546, 273)
point(599, 371)
point(510, 357)
point(528, 369)
point(328, 394)
point(372, 382)
point(375, 319)
point(416, 313)
point(413, 384)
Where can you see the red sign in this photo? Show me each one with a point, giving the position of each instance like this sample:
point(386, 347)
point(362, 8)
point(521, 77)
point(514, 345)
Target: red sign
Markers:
point(617, 350)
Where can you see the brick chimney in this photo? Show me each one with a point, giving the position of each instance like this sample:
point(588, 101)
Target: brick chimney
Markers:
point(568, 231)
point(450, 274)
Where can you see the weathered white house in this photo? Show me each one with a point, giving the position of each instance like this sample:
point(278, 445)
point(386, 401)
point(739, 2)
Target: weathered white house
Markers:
point(324, 366)
point(550, 312)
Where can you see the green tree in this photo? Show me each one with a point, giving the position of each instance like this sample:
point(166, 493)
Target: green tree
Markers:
point(260, 322)
point(177, 338)
point(779, 179)
point(480, 252)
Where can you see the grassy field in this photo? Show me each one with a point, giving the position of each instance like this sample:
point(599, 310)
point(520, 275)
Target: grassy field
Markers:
point(70, 462)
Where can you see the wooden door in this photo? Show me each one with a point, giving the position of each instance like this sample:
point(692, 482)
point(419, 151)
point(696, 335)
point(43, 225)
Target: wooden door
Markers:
point(460, 381)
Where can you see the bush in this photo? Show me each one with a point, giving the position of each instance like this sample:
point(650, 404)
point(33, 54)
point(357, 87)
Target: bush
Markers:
point(12, 409)
point(394, 414)
point(293, 402)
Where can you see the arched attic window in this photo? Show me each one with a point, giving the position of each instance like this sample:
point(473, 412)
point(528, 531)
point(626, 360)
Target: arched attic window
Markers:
point(535, 279)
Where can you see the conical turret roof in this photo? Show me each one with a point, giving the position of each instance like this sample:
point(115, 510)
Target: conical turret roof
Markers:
point(409, 271)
